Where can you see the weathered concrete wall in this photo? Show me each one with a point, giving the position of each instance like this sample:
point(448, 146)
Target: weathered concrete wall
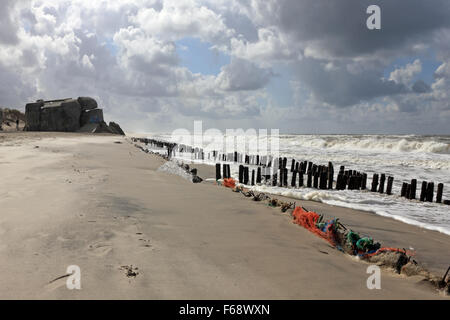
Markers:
point(61, 116)
point(91, 116)
point(32, 115)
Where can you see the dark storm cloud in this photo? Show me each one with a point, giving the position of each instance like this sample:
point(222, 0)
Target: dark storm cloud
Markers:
point(421, 87)
point(340, 26)
point(337, 86)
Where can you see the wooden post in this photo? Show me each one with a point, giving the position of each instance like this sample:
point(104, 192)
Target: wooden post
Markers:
point(224, 170)
point(258, 175)
point(330, 175)
point(423, 191)
point(246, 175)
point(382, 180)
point(403, 191)
point(285, 177)
point(218, 177)
point(292, 165)
point(253, 177)
point(440, 190)
point(241, 173)
point(300, 178)
point(339, 181)
point(274, 179)
point(374, 182)
point(323, 180)
point(309, 181)
point(294, 179)
point(389, 185)
point(316, 180)
point(430, 191)
point(412, 191)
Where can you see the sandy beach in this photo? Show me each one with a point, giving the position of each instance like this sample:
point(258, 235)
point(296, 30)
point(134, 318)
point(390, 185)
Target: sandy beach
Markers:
point(98, 202)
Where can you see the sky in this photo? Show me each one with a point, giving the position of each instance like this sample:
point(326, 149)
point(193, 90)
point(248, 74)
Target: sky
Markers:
point(300, 66)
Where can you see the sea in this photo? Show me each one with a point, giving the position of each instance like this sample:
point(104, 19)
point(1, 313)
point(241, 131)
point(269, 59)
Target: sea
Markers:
point(405, 157)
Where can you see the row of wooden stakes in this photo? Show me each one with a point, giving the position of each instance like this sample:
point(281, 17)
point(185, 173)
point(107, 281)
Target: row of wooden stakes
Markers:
point(317, 176)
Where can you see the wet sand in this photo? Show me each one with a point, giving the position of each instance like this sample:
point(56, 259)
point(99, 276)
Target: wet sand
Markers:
point(72, 199)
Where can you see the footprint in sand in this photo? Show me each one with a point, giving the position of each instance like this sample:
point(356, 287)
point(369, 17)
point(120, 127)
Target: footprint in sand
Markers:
point(100, 249)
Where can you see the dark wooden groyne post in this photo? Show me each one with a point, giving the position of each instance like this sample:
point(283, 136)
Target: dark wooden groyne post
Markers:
point(300, 178)
point(241, 173)
point(285, 177)
point(440, 190)
point(309, 181)
point(253, 177)
point(218, 176)
point(316, 179)
point(412, 193)
point(430, 192)
point(389, 185)
point(330, 175)
point(423, 191)
point(403, 192)
point(382, 180)
point(374, 182)
point(258, 175)
point(246, 175)
point(274, 179)
point(294, 178)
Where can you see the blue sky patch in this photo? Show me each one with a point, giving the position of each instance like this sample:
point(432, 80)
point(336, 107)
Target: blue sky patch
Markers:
point(197, 56)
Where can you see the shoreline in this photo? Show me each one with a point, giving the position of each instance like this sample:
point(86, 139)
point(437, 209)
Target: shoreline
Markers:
point(426, 253)
point(104, 206)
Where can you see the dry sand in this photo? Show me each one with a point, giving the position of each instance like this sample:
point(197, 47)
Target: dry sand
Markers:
point(72, 199)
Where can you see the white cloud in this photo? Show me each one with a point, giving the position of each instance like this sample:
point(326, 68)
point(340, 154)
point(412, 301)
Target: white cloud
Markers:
point(406, 74)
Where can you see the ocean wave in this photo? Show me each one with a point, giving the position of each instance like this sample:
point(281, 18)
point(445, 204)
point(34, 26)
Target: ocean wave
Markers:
point(419, 144)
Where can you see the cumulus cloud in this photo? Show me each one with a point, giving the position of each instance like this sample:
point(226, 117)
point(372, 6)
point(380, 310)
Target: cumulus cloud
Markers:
point(406, 74)
point(242, 75)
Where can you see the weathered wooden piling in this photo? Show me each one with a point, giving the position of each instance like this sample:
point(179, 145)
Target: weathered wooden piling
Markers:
point(382, 180)
point(316, 180)
point(292, 165)
point(309, 180)
point(403, 190)
point(253, 177)
point(440, 190)
point(323, 180)
point(389, 185)
point(430, 191)
point(330, 175)
point(423, 191)
point(241, 173)
point(258, 175)
point(285, 177)
point(300, 178)
point(274, 179)
point(412, 191)
point(374, 182)
point(294, 179)
point(218, 175)
point(246, 175)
